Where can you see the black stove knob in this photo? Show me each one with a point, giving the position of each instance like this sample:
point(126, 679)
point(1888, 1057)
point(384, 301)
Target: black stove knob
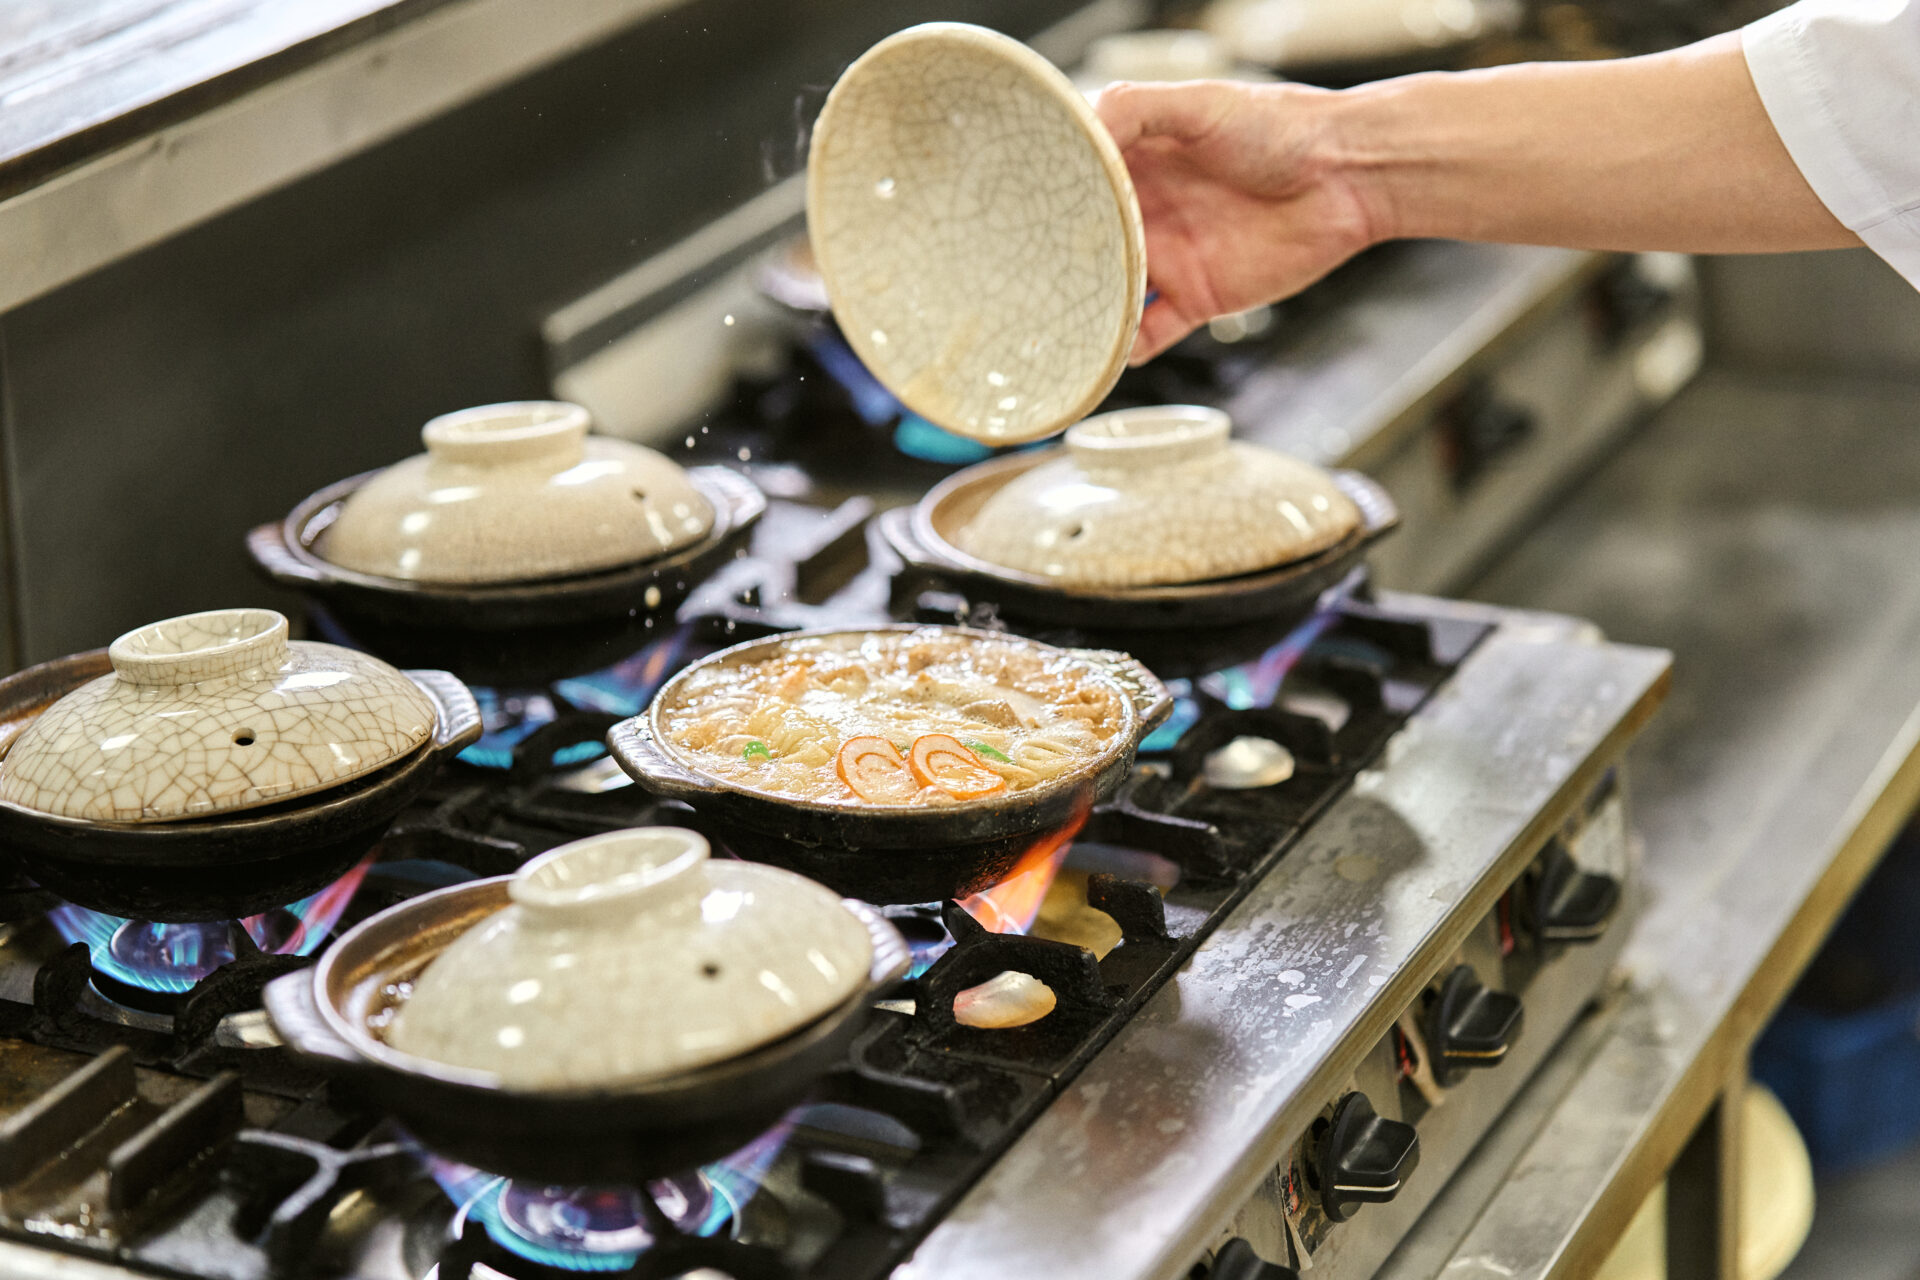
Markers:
point(1363, 1158)
point(1470, 1025)
point(1236, 1260)
point(1571, 905)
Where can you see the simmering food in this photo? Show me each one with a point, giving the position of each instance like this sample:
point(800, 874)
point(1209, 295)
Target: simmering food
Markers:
point(893, 718)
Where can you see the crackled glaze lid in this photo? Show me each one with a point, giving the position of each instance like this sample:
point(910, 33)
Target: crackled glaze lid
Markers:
point(209, 713)
point(512, 493)
point(977, 232)
point(631, 956)
point(1143, 497)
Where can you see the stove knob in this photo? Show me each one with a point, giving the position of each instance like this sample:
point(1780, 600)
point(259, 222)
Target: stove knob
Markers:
point(1571, 905)
point(1236, 1260)
point(1363, 1158)
point(1470, 1025)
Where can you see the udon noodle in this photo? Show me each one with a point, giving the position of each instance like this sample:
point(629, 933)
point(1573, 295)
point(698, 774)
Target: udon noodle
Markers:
point(777, 724)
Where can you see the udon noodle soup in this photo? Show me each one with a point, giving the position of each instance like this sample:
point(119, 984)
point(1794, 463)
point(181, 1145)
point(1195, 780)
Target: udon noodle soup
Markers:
point(923, 717)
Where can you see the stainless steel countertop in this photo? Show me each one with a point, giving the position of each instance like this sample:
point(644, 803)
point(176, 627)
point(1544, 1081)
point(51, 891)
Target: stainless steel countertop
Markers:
point(80, 76)
point(1767, 531)
point(1147, 1154)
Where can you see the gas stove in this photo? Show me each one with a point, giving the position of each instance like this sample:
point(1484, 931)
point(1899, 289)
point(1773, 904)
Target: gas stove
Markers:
point(1351, 894)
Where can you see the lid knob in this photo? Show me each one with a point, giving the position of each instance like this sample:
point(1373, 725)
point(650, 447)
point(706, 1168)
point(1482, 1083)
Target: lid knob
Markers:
point(201, 646)
point(611, 877)
point(1153, 436)
point(494, 434)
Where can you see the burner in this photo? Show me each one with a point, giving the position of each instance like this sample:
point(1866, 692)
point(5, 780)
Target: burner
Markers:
point(601, 1225)
point(589, 704)
point(580, 1228)
point(1012, 905)
point(168, 957)
point(1247, 763)
point(608, 1228)
point(1249, 684)
point(136, 960)
point(1008, 907)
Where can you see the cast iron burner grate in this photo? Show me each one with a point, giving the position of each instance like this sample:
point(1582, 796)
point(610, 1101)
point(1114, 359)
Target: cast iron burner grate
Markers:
point(231, 1161)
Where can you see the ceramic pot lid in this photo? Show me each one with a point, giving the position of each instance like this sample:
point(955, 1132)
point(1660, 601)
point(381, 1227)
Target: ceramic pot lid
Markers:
point(512, 493)
point(209, 713)
point(1146, 497)
point(632, 956)
point(977, 232)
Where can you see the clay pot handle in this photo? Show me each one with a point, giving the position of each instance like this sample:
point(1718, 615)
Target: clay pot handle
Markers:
point(267, 544)
point(456, 721)
point(897, 531)
point(892, 958)
point(1149, 697)
point(295, 1012)
point(646, 762)
point(1378, 511)
point(744, 501)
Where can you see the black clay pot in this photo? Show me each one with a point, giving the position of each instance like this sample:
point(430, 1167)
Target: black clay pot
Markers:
point(223, 867)
point(506, 633)
point(570, 1137)
point(891, 855)
point(1270, 599)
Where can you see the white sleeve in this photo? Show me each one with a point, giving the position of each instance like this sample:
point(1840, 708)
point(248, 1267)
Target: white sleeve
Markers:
point(1841, 82)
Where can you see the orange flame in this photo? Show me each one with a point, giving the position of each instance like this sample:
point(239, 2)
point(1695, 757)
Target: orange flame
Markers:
point(1011, 905)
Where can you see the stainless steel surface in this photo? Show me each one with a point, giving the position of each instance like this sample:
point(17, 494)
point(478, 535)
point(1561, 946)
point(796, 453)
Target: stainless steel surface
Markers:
point(1137, 1166)
point(1570, 387)
point(78, 75)
point(1390, 381)
point(114, 204)
point(1766, 530)
point(1553, 999)
point(1425, 1252)
point(1357, 382)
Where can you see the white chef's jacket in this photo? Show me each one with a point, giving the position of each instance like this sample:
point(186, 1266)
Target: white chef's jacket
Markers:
point(1841, 82)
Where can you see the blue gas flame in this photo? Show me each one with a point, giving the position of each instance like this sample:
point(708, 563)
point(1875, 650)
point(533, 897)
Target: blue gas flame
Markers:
point(172, 957)
point(703, 1203)
point(623, 689)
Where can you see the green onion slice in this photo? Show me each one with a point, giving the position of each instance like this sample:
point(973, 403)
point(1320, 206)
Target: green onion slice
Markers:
point(756, 748)
point(982, 749)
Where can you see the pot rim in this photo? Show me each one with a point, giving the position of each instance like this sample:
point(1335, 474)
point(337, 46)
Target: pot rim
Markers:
point(1144, 711)
point(1378, 515)
point(341, 976)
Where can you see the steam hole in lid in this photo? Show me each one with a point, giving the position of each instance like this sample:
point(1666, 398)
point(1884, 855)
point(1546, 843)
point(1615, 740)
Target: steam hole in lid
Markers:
point(640, 495)
point(244, 738)
point(709, 970)
point(1078, 531)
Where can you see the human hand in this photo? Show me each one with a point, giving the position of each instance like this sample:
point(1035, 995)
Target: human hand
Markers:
point(1242, 200)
